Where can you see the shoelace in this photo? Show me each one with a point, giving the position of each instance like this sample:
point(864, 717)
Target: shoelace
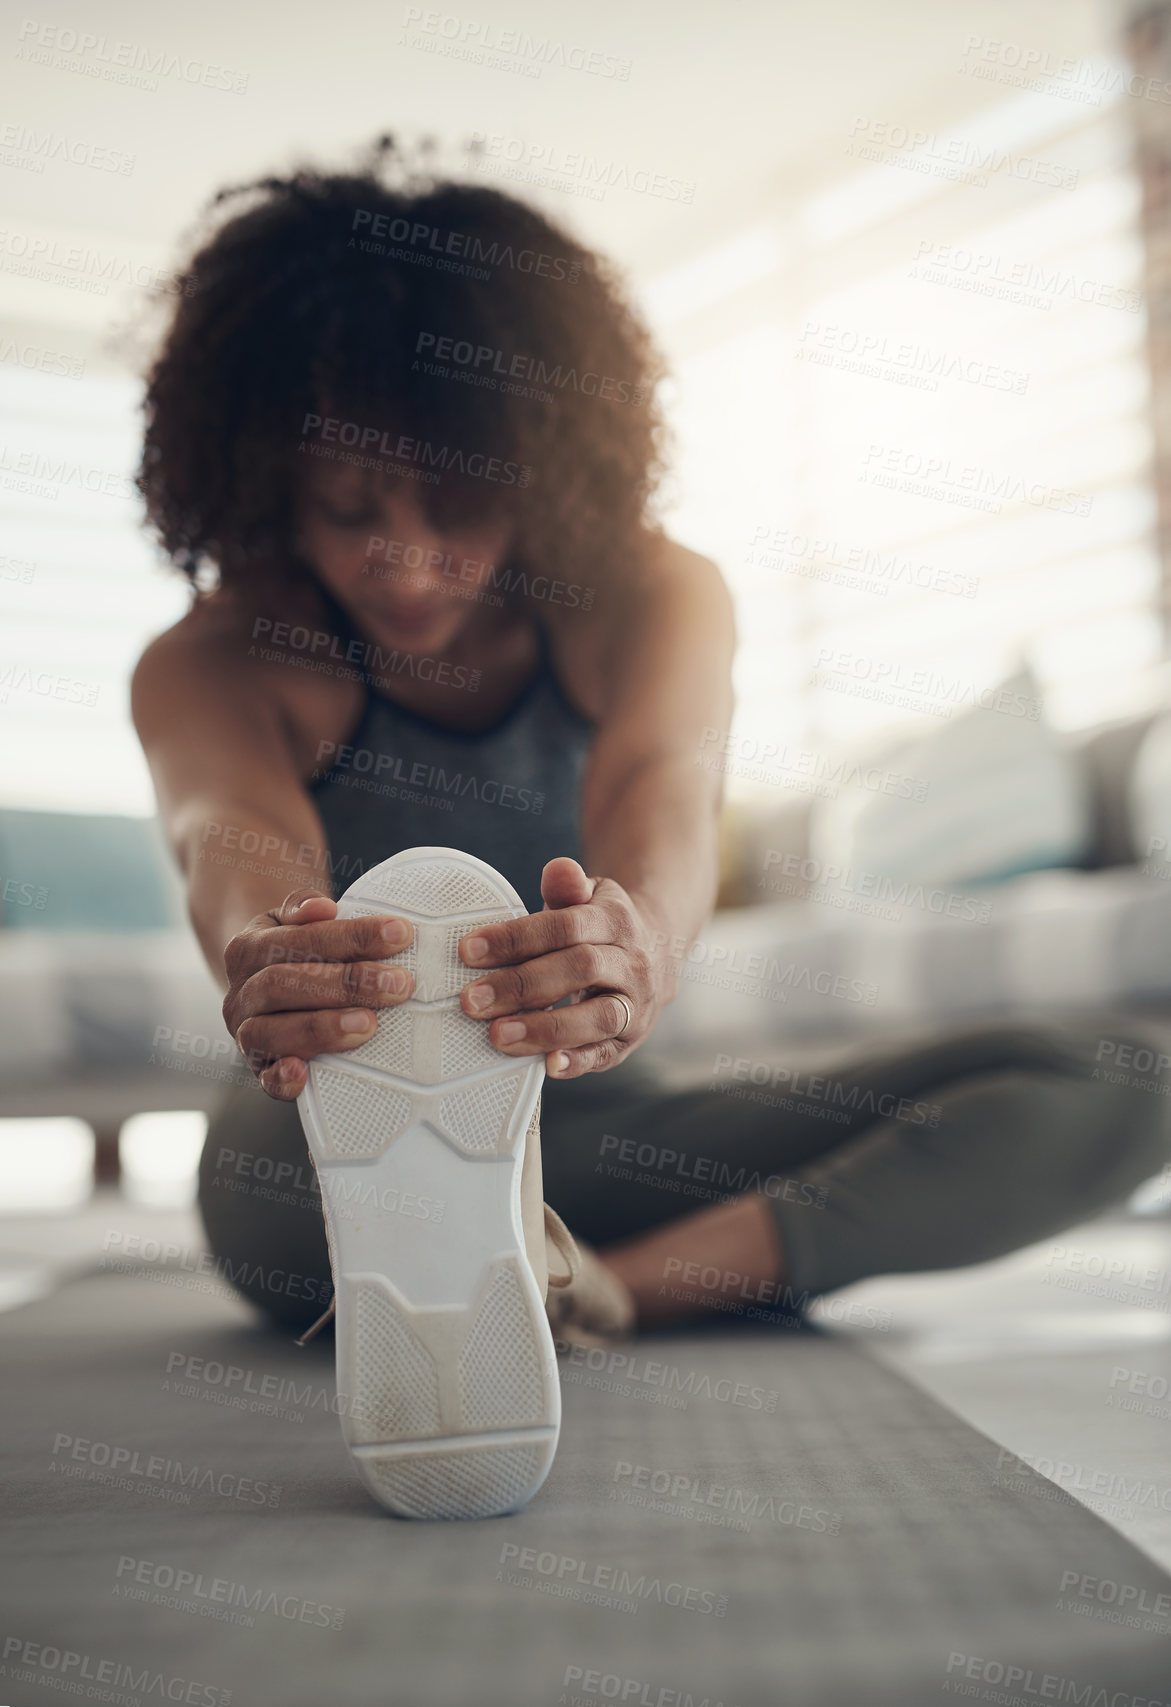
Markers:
point(556, 1232)
point(318, 1324)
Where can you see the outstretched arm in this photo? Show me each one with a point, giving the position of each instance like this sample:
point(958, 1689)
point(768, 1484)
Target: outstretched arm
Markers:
point(252, 849)
point(649, 830)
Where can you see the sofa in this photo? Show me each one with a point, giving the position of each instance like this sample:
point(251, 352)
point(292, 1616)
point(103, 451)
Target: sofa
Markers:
point(107, 1008)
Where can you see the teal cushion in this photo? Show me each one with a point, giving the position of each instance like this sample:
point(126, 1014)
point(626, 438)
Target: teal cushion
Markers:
point(63, 871)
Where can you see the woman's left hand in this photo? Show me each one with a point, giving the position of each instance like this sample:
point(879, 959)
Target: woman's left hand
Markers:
point(594, 943)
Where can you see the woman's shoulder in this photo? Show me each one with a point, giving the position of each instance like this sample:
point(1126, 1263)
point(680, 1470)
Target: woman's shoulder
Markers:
point(235, 649)
point(671, 589)
point(224, 619)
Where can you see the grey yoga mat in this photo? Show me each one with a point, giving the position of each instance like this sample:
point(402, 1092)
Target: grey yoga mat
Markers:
point(745, 1516)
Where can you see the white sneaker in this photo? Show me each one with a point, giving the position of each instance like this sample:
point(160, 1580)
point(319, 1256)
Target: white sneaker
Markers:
point(427, 1149)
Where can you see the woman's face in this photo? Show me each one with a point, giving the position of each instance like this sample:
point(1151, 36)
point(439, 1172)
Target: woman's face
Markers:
point(386, 565)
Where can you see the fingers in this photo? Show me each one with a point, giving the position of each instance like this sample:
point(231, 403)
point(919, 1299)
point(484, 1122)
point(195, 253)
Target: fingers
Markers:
point(565, 884)
point(303, 982)
point(596, 1020)
point(323, 984)
point(591, 1058)
point(515, 940)
point(541, 982)
point(269, 1037)
point(376, 937)
point(285, 1079)
point(305, 906)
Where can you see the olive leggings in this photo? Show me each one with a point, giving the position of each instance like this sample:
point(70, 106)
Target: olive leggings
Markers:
point(917, 1158)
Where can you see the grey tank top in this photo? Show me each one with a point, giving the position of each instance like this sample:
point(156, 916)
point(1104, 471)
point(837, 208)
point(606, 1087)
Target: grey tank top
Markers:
point(508, 794)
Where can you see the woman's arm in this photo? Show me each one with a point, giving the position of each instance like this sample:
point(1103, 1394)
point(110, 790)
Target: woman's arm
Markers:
point(252, 849)
point(649, 809)
point(239, 819)
point(649, 830)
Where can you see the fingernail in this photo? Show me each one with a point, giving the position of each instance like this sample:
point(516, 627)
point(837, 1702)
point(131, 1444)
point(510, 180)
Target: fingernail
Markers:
point(395, 932)
point(392, 983)
point(356, 1019)
point(511, 1031)
point(287, 1070)
point(475, 948)
point(558, 1063)
point(480, 995)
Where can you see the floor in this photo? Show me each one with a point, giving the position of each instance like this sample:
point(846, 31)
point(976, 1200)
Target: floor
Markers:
point(742, 1516)
point(1061, 1353)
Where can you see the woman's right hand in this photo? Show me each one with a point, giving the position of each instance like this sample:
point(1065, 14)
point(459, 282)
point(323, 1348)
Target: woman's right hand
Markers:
point(302, 982)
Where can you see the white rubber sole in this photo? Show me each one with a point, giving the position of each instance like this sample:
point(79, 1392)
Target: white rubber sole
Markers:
point(447, 1376)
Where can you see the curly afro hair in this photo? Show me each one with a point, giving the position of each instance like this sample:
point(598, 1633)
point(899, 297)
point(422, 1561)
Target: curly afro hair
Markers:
point(329, 299)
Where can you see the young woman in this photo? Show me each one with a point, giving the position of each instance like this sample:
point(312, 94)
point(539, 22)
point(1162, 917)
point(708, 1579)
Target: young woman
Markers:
point(402, 436)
